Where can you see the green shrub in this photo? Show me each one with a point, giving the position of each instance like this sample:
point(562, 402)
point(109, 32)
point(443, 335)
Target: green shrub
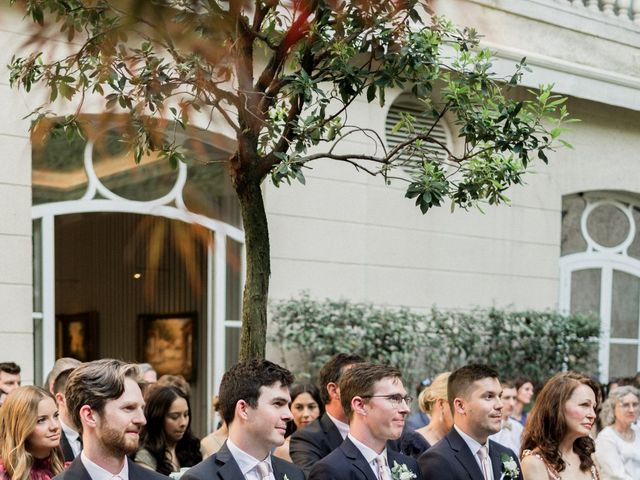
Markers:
point(536, 344)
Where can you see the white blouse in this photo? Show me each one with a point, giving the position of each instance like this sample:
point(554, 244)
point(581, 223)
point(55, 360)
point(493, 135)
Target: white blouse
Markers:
point(618, 459)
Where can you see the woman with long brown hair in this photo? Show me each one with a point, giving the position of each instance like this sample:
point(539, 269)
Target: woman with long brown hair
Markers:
point(30, 435)
point(556, 443)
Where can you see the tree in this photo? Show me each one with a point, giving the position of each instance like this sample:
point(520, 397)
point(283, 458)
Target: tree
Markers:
point(282, 74)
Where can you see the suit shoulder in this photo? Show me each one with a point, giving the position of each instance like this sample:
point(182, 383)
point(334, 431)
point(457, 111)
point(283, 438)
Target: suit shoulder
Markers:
point(292, 471)
point(141, 472)
point(201, 470)
point(325, 469)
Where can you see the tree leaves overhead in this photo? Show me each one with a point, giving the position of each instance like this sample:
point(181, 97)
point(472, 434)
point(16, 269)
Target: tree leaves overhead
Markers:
point(282, 75)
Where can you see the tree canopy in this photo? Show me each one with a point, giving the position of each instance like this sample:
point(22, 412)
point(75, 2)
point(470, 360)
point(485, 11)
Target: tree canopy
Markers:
point(281, 75)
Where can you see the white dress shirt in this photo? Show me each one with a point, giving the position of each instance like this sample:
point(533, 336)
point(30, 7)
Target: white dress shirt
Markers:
point(73, 438)
point(247, 463)
point(474, 446)
point(509, 437)
point(370, 455)
point(342, 427)
point(96, 472)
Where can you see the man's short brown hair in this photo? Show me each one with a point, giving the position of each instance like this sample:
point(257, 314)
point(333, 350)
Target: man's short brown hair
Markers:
point(461, 380)
point(359, 381)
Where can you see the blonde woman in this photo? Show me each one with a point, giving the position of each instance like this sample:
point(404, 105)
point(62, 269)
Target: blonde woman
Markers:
point(433, 401)
point(30, 436)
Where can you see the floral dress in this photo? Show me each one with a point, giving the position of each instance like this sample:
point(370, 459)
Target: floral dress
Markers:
point(553, 475)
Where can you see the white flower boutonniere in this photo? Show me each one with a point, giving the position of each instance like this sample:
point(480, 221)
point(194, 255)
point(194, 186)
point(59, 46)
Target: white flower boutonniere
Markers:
point(285, 477)
point(401, 472)
point(177, 475)
point(509, 467)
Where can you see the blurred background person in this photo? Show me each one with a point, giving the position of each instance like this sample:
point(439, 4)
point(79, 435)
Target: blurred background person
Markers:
point(305, 406)
point(30, 435)
point(60, 365)
point(618, 444)
point(166, 441)
point(433, 400)
point(70, 439)
point(212, 442)
point(9, 376)
point(524, 388)
point(556, 442)
point(510, 435)
point(149, 375)
point(420, 418)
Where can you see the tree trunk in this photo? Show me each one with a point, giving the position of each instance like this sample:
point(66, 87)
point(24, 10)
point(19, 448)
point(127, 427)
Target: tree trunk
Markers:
point(256, 290)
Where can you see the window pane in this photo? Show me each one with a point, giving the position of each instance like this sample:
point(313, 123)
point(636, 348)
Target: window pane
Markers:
point(572, 239)
point(608, 225)
point(232, 339)
point(623, 360)
point(625, 304)
point(585, 291)
point(634, 248)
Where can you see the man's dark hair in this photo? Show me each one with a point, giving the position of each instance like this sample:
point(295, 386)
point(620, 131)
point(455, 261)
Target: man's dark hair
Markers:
point(333, 370)
point(61, 381)
point(359, 380)
point(95, 383)
point(10, 367)
point(461, 380)
point(243, 382)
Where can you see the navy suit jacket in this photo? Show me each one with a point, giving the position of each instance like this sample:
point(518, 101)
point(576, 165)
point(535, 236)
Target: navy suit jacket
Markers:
point(76, 471)
point(451, 459)
point(222, 465)
point(347, 463)
point(67, 451)
point(314, 442)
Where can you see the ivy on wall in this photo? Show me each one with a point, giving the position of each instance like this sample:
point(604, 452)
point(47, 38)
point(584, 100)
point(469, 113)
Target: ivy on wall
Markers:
point(535, 344)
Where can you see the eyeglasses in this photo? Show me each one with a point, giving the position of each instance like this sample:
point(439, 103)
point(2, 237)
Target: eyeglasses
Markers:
point(395, 399)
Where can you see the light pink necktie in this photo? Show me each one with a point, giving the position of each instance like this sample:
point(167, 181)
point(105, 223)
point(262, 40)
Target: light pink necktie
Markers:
point(483, 454)
point(263, 470)
point(381, 463)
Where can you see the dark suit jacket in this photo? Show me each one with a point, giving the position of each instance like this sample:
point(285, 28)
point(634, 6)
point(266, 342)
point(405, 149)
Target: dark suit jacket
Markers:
point(76, 471)
point(67, 451)
point(347, 463)
point(451, 459)
point(222, 465)
point(314, 442)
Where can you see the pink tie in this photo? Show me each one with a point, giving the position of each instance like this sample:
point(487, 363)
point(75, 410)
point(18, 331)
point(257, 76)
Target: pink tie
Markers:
point(263, 470)
point(381, 463)
point(483, 454)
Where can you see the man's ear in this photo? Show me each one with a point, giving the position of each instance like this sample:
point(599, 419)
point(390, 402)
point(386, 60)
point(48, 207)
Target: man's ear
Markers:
point(333, 390)
point(357, 406)
point(458, 406)
point(60, 400)
point(88, 417)
point(242, 411)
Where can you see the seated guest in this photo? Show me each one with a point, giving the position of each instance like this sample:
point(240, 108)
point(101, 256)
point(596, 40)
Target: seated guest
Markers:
point(70, 440)
point(167, 444)
point(305, 408)
point(556, 441)
point(376, 404)
point(62, 364)
point(254, 403)
point(9, 376)
point(510, 435)
point(212, 442)
point(524, 389)
point(433, 401)
point(325, 434)
point(618, 444)
point(466, 452)
point(30, 435)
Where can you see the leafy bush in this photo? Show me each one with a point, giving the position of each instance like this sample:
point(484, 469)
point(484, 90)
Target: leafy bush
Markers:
point(530, 343)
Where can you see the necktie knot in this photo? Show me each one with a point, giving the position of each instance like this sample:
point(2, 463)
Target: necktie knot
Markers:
point(483, 452)
point(264, 469)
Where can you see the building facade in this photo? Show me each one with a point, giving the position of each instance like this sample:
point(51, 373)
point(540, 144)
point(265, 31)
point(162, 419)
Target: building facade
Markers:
point(75, 229)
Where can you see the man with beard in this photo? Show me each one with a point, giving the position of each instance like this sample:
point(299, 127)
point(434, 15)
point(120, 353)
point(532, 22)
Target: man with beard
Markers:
point(466, 453)
point(105, 403)
point(376, 404)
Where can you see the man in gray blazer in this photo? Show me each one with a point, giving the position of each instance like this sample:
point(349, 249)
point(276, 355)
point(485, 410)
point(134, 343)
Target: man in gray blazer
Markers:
point(254, 402)
point(105, 403)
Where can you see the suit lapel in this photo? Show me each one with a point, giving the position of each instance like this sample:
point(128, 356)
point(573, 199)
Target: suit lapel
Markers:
point(496, 460)
point(228, 467)
point(357, 459)
point(463, 455)
point(76, 471)
point(331, 431)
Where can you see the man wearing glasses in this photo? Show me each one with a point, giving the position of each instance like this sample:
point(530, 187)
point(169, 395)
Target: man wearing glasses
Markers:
point(376, 404)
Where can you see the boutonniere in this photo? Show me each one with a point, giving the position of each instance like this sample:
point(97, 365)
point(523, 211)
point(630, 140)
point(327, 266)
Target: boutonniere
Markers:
point(177, 475)
point(285, 477)
point(401, 472)
point(509, 467)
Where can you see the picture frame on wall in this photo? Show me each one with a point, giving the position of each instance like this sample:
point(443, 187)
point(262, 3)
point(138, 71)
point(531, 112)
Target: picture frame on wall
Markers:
point(167, 341)
point(77, 336)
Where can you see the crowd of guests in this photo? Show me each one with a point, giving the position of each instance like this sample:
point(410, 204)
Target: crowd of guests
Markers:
point(110, 420)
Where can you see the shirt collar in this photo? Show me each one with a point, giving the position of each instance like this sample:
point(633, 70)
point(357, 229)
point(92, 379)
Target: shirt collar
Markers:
point(342, 427)
point(473, 444)
point(96, 472)
point(369, 454)
point(69, 432)
point(245, 461)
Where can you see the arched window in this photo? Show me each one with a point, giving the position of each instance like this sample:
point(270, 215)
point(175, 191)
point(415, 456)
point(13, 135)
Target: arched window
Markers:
point(600, 273)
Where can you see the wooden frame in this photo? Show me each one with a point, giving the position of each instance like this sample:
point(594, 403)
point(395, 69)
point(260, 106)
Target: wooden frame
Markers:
point(168, 343)
point(77, 336)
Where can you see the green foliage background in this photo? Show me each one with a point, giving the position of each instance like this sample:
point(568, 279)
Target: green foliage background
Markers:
point(535, 344)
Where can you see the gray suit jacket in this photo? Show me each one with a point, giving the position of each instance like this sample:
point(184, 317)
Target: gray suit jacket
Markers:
point(76, 471)
point(222, 465)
